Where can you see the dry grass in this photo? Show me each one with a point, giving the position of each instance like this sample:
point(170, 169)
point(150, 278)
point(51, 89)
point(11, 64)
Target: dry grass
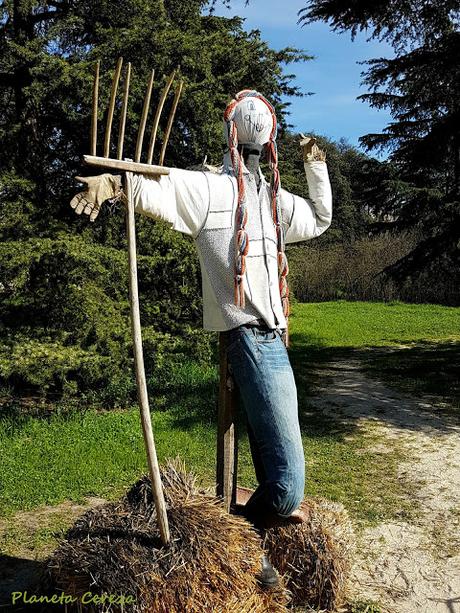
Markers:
point(211, 563)
point(315, 556)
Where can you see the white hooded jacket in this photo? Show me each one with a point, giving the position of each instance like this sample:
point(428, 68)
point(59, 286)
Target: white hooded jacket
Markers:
point(202, 205)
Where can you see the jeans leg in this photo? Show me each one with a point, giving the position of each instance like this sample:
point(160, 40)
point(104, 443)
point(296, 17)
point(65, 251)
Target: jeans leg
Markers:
point(255, 454)
point(264, 376)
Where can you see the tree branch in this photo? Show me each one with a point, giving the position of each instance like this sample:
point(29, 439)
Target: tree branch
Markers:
point(38, 17)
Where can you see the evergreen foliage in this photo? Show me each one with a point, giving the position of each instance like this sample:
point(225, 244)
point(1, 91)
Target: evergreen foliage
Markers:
point(420, 86)
point(64, 292)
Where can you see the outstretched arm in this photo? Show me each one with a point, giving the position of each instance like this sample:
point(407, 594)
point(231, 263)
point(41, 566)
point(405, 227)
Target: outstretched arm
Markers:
point(306, 218)
point(180, 198)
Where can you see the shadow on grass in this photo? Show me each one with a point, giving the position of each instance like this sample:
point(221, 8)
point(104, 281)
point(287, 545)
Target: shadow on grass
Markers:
point(415, 386)
point(197, 403)
point(415, 377)
point(426, 372)
point(429, 369)
point(19, 575)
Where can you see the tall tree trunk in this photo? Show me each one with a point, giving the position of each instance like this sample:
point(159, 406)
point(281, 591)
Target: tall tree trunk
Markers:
point(456, 153)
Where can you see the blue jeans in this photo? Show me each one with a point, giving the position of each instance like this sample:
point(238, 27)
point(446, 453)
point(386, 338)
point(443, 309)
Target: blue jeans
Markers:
point(259, 363)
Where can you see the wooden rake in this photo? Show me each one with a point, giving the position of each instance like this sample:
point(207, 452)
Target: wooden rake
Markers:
point(130, 167)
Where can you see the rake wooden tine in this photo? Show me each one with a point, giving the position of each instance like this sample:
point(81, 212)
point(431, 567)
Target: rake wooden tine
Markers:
point(170, 121)
point(124, 110)
point(113, 95)
point(95, 105)
point(156, 121)
point(145, 112)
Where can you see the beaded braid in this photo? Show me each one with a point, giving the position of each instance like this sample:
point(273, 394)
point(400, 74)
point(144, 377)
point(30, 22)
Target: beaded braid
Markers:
point(242, 239)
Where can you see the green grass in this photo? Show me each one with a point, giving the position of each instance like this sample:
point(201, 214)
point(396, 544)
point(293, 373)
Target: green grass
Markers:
point(69, 456)
point(341, 466)
point(40, 535)
point(414, 347)
point(372, 324)
point(46, 461)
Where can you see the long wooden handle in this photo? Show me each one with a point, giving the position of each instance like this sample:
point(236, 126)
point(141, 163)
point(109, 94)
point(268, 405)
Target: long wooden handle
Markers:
point(152, 459)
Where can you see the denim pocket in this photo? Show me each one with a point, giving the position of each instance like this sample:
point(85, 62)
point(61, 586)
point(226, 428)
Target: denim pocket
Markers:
point(235, 336)
point(265, 337)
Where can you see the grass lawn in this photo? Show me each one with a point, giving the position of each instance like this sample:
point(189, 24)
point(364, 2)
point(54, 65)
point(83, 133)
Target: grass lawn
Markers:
point(372, 324)
point(415, 347)
point(47, 460)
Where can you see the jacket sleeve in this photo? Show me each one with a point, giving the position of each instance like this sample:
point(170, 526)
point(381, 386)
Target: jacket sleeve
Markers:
point(306, 218)
point(180, 198)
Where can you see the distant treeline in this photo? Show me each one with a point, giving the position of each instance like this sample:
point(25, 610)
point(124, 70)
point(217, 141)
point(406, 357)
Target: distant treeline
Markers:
point(355, 271)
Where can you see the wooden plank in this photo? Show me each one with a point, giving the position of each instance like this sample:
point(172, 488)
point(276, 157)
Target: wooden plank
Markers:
point(111, 163)
point(227, 441)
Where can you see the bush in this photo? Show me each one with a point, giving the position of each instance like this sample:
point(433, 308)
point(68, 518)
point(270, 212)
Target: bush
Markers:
point(66, 329)
point(49, 368)
point(353, 271)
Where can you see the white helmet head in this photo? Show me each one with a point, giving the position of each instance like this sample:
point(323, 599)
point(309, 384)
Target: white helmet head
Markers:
point(253, 118)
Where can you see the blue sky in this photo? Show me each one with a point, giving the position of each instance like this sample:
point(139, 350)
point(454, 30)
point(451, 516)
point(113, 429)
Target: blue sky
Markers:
point(333, 76)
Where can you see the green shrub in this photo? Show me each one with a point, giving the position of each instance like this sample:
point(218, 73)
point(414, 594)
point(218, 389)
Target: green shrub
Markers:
point(66, 329)
point(48, 367)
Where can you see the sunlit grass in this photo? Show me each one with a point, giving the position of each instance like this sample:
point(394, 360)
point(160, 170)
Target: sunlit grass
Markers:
point(361, 324)
point(73, 455)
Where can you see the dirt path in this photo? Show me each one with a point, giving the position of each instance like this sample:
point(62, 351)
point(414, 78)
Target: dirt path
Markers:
point(408, 567)
point(21, 570)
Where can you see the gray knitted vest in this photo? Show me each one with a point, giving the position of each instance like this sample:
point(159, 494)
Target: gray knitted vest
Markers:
point(216, 250)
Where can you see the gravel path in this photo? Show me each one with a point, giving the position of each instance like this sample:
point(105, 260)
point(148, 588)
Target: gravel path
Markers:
point(408, 567)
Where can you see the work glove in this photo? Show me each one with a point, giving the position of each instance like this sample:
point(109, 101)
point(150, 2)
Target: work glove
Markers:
point(310, 150)
point(99, 189)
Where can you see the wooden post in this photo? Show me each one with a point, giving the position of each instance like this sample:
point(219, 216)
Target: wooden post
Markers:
point(227, 442)
point(149, 442)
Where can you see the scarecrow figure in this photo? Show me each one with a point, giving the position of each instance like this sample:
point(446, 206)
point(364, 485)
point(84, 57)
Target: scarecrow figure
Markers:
point(240, 224)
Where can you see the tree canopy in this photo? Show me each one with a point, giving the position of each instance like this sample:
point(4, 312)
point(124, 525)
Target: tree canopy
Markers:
point(65, 312)
point(421, 88)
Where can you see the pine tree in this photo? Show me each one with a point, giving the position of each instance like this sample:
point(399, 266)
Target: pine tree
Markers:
point(421, 88)
point(65, 316)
